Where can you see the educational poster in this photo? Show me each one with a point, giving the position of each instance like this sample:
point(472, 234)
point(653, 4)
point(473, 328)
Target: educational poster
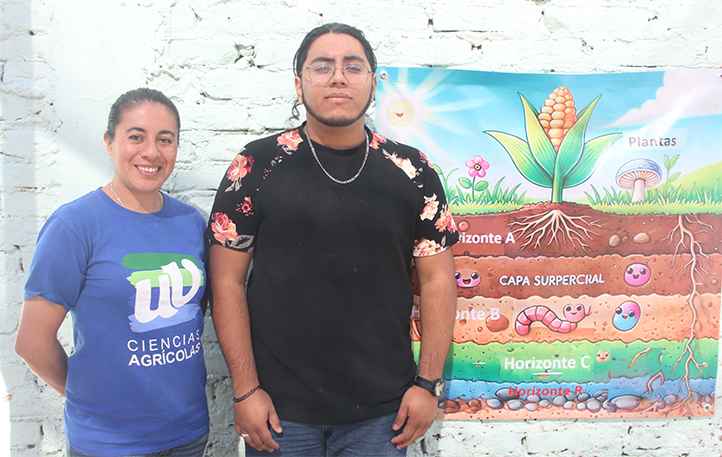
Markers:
point(590, 211)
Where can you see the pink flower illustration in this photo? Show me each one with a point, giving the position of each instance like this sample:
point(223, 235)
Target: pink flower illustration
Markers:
point(223, 228)
point(240, 167)
point(477, 167)
point(290, 139)
point(430, 209)
point(376, 140)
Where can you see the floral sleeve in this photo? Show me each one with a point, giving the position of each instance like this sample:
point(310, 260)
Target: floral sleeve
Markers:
point(233, 223)
point(435, 228)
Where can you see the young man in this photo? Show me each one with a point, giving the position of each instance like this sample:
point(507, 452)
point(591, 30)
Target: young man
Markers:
point(333, 216)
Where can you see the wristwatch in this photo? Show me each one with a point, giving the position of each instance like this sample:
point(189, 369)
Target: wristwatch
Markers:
point(435, 387)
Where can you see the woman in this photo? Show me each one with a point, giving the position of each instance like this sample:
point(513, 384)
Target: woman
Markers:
point(126, 261)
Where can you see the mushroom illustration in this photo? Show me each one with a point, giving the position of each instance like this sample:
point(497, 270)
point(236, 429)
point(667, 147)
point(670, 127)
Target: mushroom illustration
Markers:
point(639, 174)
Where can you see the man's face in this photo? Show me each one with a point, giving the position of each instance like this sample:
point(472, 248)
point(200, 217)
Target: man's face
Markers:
point(335, 103)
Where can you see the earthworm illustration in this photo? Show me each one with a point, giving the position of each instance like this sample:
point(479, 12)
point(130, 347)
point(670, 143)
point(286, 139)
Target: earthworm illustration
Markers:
point(572, 315)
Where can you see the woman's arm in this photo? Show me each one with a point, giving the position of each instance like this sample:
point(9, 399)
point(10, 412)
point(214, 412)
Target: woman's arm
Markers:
point(37, 341)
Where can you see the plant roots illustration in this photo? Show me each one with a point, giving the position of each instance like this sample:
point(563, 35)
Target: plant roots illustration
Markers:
point(690, 243)
point(555, 226)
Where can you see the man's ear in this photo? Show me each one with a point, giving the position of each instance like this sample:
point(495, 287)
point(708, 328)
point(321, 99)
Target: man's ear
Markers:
point(299, 89)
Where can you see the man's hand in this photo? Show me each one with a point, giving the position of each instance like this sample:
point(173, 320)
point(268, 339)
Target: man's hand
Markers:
point(228, 270)
point(437, 305)
point(418, 409)
point(252, 417)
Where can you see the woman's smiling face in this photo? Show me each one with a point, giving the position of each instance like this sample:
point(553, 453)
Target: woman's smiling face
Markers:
point(144, 148)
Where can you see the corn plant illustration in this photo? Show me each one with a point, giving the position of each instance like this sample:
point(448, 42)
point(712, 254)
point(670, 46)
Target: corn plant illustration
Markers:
point(556, 156)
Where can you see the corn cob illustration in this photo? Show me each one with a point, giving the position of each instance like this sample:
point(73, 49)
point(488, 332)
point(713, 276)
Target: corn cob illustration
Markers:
point(558, 115)
point(556, 154)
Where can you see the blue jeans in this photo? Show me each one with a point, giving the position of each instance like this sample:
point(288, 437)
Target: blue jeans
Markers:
point(193, 448)
point(368, 438)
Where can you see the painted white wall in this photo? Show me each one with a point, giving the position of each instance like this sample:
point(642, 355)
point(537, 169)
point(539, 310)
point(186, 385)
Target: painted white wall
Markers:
point(227, 65)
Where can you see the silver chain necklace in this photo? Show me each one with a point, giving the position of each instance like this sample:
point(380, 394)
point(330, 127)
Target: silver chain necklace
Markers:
point(123, 204)
point(116, 196)
point(337, 181)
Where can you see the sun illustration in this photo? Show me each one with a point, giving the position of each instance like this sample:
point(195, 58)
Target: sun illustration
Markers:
point(409, 110)
point(400, 112)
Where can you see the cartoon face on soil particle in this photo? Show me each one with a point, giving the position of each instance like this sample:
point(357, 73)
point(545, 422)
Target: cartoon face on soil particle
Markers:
point(626, 316)
point(637, 274)
point(575, 313)
point(603, 356)
point(472, 280)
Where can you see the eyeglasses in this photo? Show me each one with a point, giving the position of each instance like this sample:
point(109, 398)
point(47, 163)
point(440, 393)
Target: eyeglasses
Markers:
point(322, 72)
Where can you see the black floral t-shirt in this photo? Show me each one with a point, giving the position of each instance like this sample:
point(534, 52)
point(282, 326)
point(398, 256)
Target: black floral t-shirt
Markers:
point(330, 291)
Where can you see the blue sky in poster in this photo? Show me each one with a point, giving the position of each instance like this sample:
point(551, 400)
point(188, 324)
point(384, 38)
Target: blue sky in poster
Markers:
point(445, 113)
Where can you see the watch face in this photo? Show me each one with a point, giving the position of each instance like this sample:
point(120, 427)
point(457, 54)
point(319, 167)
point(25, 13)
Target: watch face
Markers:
point(438, 388)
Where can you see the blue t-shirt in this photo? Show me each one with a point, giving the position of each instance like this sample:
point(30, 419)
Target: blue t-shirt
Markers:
point(132, 283)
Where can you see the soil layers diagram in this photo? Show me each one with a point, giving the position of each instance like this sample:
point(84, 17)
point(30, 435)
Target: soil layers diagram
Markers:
point(589, 265)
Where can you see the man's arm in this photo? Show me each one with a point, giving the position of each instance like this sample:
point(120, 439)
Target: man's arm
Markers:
point(437, 306)
point(37, 341)
point(228, 270)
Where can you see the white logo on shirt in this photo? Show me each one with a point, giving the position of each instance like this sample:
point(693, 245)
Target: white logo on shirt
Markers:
point(171, 297)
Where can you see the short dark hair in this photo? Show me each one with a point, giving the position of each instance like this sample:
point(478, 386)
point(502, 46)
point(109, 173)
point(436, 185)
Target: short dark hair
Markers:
point(337, 28)
point(331, 27)
point(136, 97)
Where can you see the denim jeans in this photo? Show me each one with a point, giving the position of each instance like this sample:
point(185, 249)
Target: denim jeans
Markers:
point(368, 438)
point(193, 448)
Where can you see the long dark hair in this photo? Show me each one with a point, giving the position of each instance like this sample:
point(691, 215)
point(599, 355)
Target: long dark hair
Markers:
point(331, 27)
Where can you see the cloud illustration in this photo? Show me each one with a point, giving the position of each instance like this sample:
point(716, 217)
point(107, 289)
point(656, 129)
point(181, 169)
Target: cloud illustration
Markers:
point(685, 93)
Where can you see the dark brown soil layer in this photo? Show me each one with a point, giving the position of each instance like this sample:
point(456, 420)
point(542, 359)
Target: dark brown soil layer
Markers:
point(570, 229)
point(525, 277)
